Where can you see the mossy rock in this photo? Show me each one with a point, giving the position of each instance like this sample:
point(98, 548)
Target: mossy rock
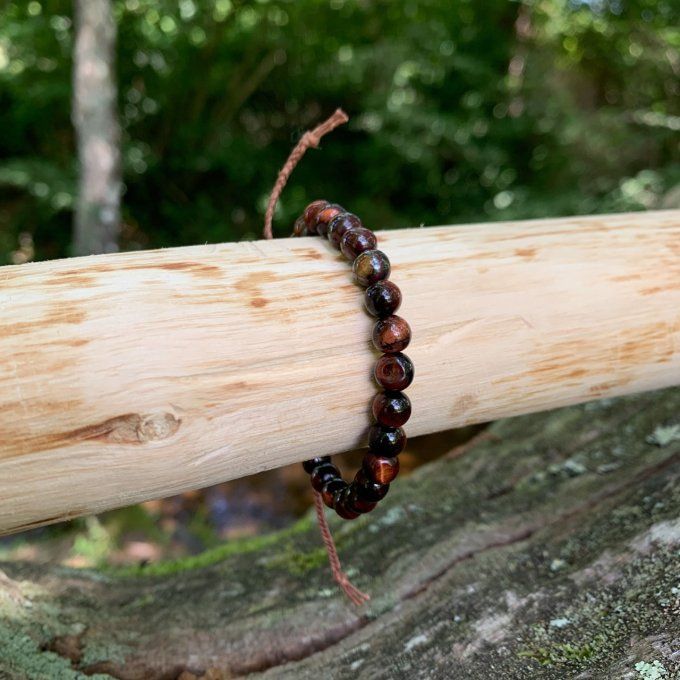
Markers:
point(547, 549)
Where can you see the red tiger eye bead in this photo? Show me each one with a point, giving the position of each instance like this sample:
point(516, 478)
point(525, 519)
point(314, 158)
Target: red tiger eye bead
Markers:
point(382, 299)
point(311, 212)
point(358, 504)
point(325, 215)
point(330, 488)
point(394, 371)
point(381, 469)
point(339, 225)
point(386, 441)
point(391, 408)
point(391, 334)
point(342, 506)
point(312, 463)
point(355, 241)
point(299, 227)
point(323, 474)
point(371, 266)
point(367, 490)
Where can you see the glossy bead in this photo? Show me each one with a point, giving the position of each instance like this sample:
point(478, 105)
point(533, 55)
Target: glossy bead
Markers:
point(323, 474)
point(386, 441)
point(382, 299)
point(370, 267)
point(391, 408)
point(357, 504)
point(325, 215)
point(311, 212)
point(342, 504)
point(381, 469)
point(394, 371)
point(299, 228)
point(312, 463)
point(391, 334)
point(355, 241)
point(329, 490)
point(339, 225)
point(367, 490)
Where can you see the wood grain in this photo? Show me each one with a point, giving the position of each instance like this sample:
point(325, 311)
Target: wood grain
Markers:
point(131, 376)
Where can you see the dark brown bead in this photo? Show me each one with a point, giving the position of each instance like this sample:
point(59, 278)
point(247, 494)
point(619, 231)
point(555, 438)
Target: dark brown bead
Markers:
point(329, 490)
point(386, 441)
point(382, 299)
point(311, 212)
point(394, 371)
point(357, 504)
point(342, 505)
point(391, 408)
point(371, 266)
point(391, 334)
point(339, 225)
point(381, 469)
point(312, 463)
point(355, 241)
point(367, 490)
point(325, 216)
point(323, 474)
point(299, 228)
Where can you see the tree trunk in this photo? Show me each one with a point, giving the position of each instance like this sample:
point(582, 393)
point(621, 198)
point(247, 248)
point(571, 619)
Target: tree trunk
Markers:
point(547, 548)
point(97, 218)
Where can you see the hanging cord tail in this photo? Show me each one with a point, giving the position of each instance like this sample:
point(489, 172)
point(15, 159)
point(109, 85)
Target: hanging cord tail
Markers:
point(357, 596)
point(311, 138)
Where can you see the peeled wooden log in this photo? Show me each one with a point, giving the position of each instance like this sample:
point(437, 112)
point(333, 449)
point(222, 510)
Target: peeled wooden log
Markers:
point(547, 549)
point(131, 376)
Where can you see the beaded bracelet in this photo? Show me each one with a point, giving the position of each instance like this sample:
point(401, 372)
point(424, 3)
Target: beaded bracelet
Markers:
point(391, 408)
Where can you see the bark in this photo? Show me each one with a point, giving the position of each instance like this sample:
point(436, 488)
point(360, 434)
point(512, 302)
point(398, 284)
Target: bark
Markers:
point(547, 548)
point(97, 218)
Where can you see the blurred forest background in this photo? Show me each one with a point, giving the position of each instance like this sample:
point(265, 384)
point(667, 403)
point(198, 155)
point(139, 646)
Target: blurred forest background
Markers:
point(460, 111)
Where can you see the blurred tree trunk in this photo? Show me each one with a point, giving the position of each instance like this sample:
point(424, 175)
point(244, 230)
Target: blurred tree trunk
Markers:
point(97, 217)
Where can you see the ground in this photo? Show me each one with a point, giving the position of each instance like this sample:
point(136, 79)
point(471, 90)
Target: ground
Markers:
point(548, 547)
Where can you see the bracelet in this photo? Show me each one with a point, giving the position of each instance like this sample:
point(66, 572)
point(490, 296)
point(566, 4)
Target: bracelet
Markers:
point(391, 408)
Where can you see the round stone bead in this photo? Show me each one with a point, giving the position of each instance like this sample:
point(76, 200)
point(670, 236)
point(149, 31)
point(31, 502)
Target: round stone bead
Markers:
point(339, 225)
point(311, 212)
point(355, 241)
point(382, 299)
point(391, 334)
point(342, 506)
point(312, 463)
point(357, 504)
point(366, 490)
point(386, 441)
point(323, 474)
point(391, 408)
point(325, 215)
point(394, 371)
point(329, 490)
point(370, 267)
point(299, 228)
point(381, 469)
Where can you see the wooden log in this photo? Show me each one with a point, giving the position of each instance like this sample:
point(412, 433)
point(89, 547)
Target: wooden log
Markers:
point(546, 549)
point(131, 376)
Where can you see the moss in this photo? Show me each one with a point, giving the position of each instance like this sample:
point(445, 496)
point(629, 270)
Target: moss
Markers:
point(563, 653)
point(212, 556)
point(111, 652)
point(296, 562)
point(22, 659)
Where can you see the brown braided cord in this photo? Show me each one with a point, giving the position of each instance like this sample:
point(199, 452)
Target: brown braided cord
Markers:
point(311, 138)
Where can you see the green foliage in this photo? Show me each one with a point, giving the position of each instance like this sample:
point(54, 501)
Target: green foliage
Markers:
point(459, 111)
